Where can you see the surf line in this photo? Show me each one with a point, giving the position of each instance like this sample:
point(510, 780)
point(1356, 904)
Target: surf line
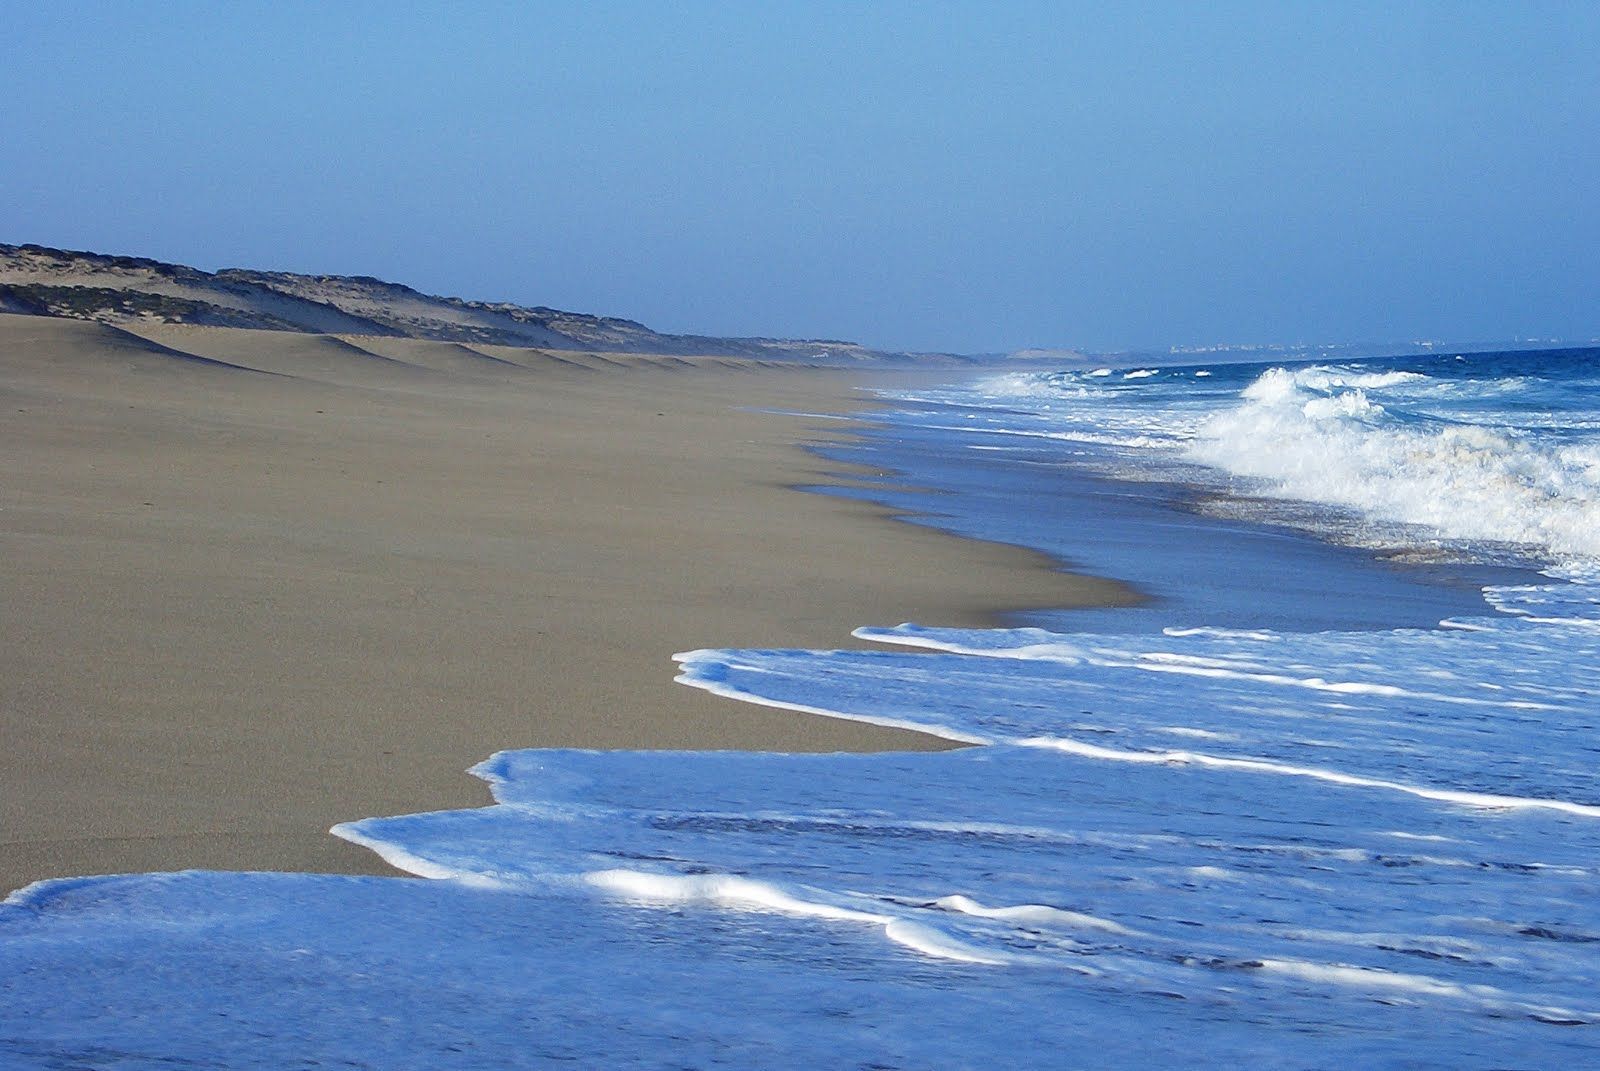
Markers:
point(1486, 800)
point(704, 669)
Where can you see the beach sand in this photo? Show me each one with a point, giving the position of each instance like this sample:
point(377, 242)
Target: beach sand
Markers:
point(256, 583)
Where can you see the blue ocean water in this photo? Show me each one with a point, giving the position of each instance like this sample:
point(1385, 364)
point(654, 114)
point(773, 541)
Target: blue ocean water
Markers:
point(1329, 797)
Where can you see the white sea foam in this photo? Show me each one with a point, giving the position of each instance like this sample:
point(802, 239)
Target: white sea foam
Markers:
point(700, 672)
point(1213, 873)
point(1067, 650)
point(742, 894)
point(1485, 800)
point(1321, 435)
point(1043, 389)
point(1423, 986)
point(931, 942)
point(402, 858)
point(1228, 633)
point(1368, 978)
point(1168, 440)
point(721, 890)
point(1189, 731)
point(1032, 914)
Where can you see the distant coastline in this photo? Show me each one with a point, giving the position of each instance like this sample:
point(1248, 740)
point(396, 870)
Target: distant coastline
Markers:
point(39, 280)
point(122, 290)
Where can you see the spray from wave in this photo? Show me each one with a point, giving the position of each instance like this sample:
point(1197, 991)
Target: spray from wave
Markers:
point(1331, 437)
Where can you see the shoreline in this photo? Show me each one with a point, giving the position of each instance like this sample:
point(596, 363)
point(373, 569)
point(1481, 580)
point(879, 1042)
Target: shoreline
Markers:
point(258, 605)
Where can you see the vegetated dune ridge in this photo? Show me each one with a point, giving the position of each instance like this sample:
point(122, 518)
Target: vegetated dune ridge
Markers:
point(37, 280)
point(259, 582)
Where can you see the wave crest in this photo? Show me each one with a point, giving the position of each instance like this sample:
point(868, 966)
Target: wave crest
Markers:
point(1317, 434)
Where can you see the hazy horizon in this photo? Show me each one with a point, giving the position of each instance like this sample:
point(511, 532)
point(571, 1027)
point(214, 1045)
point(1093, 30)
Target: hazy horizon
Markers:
point(964, 178)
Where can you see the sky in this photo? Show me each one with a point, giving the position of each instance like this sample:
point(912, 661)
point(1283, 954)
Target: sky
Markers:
point(931, 176)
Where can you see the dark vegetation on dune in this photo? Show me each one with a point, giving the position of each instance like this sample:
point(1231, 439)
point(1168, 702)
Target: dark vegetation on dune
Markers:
point(107, 303)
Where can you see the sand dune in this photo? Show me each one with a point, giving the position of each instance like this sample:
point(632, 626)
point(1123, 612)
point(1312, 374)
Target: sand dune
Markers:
point(324, 358)
point(132, 291)
point(60, 269)
point(240, 607)
point(453, 357)
point(43, 344)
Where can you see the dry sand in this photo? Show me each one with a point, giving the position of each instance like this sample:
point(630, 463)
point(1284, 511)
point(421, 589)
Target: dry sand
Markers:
point(237, 607)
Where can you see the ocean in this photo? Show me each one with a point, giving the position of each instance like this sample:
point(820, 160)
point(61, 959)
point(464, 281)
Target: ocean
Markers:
point(1326, 797)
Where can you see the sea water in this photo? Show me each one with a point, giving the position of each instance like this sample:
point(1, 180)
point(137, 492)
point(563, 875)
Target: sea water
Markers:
point(1328, 797)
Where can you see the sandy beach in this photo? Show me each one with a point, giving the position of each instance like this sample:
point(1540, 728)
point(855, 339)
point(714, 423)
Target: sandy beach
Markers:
point(257, 583)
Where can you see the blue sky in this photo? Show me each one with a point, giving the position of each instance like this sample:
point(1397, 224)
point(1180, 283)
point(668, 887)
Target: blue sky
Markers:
point(972, 177)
